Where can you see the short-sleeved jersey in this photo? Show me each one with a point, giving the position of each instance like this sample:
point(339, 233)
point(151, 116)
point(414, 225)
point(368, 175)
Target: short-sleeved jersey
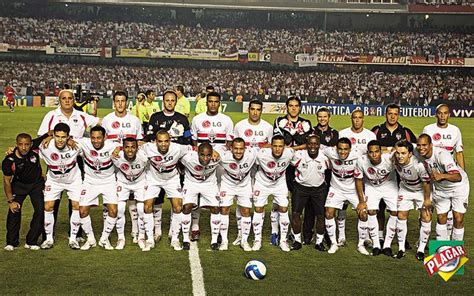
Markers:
point(327, 137)
point(448, 138)
point(130, 172)
point(310, 171)
point(342, 170)
point(61, 163)
point(196, 172)
point(163, 166)
point(443, 162)
point(380, 175)
point(78, 122)
point(9, 92)
point(388, 139)
point(183, 106)
point(98, 164)
point(412, 175)
point(237, 172)
point(271, 170)
point(119, 128)
point(216, 129)
point(359, 140)
point(25, 169)
point(294, 132)
point(176, 124)
point(254, 135)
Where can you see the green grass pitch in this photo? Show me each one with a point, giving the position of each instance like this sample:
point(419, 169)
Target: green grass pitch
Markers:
point(164, 271)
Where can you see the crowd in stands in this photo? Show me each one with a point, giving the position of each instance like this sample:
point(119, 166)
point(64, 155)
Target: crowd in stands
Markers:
point(329, 87)
point(438, 2)
point(175, 37)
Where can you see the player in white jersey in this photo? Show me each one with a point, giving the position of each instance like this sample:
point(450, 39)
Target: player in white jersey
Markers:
point(215, 128)
point(270, 179)
point(200, 180)
point(131, 165)
point(451, 187)
point(447, 136)
point(120, 125)
point(163, 157)
point(375, 170)
point(63, 175)
point(414, 193)
point(236, 182)
point(99, 179)
point(342, 189)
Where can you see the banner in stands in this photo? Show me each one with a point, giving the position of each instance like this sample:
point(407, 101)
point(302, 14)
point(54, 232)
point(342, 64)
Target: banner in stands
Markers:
point(28, 46)
point(21, 101)
point(436, 61)
point(81, 51)
point(4, 47)
point(306, 60)
point(243, 56)
point(133, 53)
point(466, 112)
point(234, 56)
point(201, 54)
point(254, 57)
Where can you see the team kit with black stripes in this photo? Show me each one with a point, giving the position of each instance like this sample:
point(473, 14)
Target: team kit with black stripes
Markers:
point(383, 170)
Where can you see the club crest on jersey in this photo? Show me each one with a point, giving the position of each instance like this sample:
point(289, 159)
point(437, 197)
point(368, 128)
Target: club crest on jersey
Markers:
point(54, 156)
point(33, 159)
point(383, 135)
point(271, 164)
point(124, 167)
point(328, 138)
point(398, 136)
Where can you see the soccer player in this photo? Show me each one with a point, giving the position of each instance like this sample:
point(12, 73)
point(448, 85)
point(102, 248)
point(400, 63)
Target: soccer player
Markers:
point(375, 170)
point(200, 179)
point(182, 105)
point(9, 92)
point(328, 136)
point(163, 156)
point(342, 189)
point(451, 187)
point(310, 188)
point(215, 128)
point(414, 193)
point(271, 180)
point(131, 165)
point(236, 182)
point(118, 125)
point(447, 136)
point(63, 175)
point(99, 179)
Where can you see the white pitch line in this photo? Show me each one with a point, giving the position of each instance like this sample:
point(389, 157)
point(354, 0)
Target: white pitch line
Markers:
point(196, 270)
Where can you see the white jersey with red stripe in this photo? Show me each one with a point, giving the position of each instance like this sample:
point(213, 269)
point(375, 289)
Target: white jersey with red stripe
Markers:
point(272, 170)
point(119, 128)
point(412, 175)
point(98, 164)
point(78, 122)
point(196, 172)
point(448, 138)
point(254, 135)
point(130, 172)
point(163, 166)
point(342, 170)
point(359, 140)
point(216, 129)
point(443, 162)
point(377, 176)
point(61, 163)
point(237, 172)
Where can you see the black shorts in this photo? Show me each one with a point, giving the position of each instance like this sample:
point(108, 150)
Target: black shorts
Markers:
point(302, 195)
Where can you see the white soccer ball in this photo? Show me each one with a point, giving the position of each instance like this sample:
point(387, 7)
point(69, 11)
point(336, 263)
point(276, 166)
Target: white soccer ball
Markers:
point(255, 270)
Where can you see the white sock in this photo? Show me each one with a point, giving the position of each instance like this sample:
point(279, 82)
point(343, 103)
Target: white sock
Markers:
point(274, 220)
point(148, 225)
point(175, 226)
point(238, 218)
point(170, 234)
point(246, 224)
point(185, 225)
point(441, 232)
point(458, 234)
point(319, 238)
point(141, 220)
point(224, 228)
point(49, 225)
point(390, 231)
point(297, 236)
point(157, 214)
point(362, 230)
point(86, 224)
point(108, 227)
point(284, 225)
point(373, 226)
point(401, 234)
point(196, 214)
point(331, 230)
point(425, 231)
point(105, 212)
point(74, 223)
point(215, 222)
point(120, 225)
point(258, 225)
point(449, 223)
point(132, 209)
point(341, 224)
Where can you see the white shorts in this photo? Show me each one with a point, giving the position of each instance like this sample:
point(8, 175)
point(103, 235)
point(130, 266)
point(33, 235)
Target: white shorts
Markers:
point(138, 190)
point(375, 194)
point(228, 192)
point(208, 191)
point(262, 192)
point(336, 199)
point(53, 190)
point(456, 200)
point(408, 200)
point(172, 187)
point(90, 194)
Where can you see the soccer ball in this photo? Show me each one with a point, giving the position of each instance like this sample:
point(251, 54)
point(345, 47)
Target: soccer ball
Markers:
point(255, 270)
